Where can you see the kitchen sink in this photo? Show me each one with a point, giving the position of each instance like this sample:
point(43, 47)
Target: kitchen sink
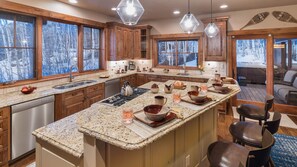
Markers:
point(184, 74)
point(73, 84)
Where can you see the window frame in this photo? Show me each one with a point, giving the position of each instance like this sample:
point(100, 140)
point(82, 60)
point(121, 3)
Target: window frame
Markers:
point(100, 50)
point(176, 37)
point(61, 18)
point(41, 46)
point(34, 48)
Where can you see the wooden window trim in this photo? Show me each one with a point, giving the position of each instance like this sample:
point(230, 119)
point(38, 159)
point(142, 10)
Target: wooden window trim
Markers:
point(40, 15)
point(176, 37)
point(17, 47)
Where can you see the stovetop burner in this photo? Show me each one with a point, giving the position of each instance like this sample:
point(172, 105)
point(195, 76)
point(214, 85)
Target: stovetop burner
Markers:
point(118, 100)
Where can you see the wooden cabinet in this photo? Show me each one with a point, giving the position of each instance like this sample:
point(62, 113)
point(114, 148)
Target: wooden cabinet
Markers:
point(137, 43)
point(141, 79)
point(131, 79)
point(127, 42)
point(95, 93)
point(215, 49)
point(4, 136)
point(74, 101)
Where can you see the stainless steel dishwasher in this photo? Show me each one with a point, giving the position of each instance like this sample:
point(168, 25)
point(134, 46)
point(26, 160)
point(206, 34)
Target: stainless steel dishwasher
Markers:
point(112, 87)
point(27, 117)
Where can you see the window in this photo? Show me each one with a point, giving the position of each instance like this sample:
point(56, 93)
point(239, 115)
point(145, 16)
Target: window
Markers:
point(91, 49)
point(178, 52)
point(59, 48)
point(17, 40)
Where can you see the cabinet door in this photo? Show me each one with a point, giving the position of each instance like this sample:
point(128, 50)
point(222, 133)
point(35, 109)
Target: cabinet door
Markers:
point(128, 44)
point(141, 79)
point(119, 44)
point(137, 43)
point(4, 136)
point(94, 94)
point(215, 48)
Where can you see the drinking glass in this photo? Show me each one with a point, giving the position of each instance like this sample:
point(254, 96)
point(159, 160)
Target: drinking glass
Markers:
point(127, 115)
point(176, 97)
point(203, 88)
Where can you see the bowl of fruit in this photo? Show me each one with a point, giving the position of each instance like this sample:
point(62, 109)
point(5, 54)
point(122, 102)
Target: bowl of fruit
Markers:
point(155, 88)
point(28, 89)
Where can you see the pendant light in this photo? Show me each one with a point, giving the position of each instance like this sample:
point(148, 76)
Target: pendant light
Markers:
point(211, 29)
point(189, 23)
point(130, 11)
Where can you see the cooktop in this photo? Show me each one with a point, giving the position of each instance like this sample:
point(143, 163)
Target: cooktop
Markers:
point(118, 99)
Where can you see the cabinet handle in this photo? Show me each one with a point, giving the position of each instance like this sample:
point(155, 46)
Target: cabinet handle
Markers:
point(1, 130)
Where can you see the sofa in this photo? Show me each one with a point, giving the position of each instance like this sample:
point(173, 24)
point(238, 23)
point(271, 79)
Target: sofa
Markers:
point(287, 92)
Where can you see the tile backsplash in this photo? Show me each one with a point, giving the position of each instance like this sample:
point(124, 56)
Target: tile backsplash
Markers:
point(210, 67)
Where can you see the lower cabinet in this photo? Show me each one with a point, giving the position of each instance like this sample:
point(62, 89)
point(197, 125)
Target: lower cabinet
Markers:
point(77, 100)
point(131, 79)
point(4, 136)
point(141, 79)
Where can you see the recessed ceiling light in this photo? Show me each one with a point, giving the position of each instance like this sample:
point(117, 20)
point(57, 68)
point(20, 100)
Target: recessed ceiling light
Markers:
point(73, 1)
point(176, 12)
point(113, 9)
point(223, 6)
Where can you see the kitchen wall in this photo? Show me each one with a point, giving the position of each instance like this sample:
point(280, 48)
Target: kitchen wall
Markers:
point(237, 20)
point(64, 8)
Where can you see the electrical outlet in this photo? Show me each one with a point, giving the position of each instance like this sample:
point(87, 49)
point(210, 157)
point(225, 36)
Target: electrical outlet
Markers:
point(187, 160)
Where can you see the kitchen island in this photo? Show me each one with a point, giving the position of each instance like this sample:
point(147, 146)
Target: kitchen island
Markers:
point(105, 141)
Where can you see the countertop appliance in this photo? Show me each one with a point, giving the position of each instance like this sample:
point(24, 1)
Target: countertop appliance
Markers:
point(112, 87)
point(118, 99)
point(131, 65)
point(27, 117)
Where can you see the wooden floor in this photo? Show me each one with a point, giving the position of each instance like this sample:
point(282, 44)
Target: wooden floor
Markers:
point(224, 122)
point(255, 92)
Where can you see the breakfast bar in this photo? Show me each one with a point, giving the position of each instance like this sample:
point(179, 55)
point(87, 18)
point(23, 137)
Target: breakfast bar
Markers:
point(181, 142)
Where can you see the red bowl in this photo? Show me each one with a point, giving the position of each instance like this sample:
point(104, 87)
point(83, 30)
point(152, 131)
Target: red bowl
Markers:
point(28, 91)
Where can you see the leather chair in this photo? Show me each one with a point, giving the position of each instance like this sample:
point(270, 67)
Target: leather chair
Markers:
point(251, 134)
point(221, 154)
point(255, 112)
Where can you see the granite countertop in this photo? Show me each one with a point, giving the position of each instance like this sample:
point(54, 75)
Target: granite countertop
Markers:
point(113, 131)
point(104, 123)
point(17, 97)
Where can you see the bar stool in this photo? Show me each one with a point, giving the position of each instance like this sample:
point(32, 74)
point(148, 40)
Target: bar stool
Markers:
point(230, 154)
point(255, 112)
point(250, 133)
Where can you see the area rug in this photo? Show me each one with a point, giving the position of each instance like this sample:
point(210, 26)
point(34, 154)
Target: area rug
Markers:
point(284, 151)
point(285, 120)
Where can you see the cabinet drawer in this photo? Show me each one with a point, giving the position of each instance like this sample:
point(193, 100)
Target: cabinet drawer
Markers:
point(95, 88)
point(95, 93)
point(3, 124)
point(4, 112)
point(4, 139)
point(3, 156)
point(74, 94)
point(95, 99)
point(71, 109)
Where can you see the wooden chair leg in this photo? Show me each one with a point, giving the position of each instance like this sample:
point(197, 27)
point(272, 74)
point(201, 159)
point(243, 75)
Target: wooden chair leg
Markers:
point(260, 122)
point(243, 118)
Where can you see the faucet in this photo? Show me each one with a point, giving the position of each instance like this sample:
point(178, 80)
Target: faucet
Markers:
point(70, 73)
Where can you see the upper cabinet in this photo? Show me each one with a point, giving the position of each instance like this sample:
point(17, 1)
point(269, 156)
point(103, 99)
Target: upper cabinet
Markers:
point(127, 42)
point(215, 49)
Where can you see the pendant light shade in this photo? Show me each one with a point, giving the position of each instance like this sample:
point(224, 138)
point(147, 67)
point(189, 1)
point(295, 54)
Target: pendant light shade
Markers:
point(211, 29)
point(189, 23)
point(130, 11)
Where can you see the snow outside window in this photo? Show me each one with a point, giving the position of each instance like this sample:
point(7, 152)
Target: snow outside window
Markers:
point(178, 52)
point(17, 51)
point(59, 48)
point(91, 49)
